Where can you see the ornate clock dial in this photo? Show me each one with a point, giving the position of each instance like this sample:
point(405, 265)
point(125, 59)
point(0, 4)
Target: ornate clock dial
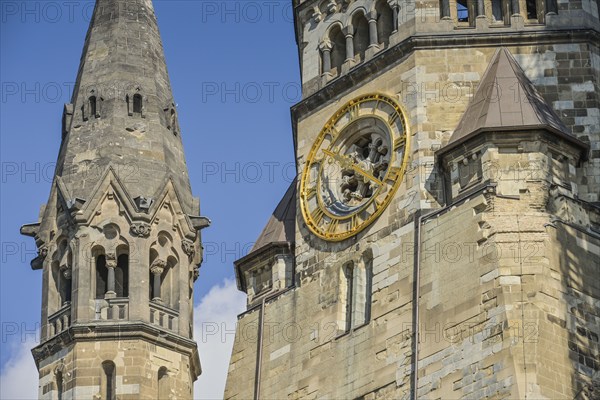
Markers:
point(354, 167)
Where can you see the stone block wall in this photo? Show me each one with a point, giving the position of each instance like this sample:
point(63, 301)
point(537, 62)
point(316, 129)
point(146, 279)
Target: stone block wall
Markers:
point(137, 364)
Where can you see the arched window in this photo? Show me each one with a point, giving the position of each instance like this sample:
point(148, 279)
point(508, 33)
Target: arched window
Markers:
point(122, 276)
point(109, 380)
point(385, 21)
point(355, 293)
point(338, 51)
point(361, 34)
point(93, 106)
point(137, 103)
point(101, 276)
point(347, 293)
point(163, 383)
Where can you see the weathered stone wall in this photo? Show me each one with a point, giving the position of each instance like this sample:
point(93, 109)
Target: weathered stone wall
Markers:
point(502, 313)
point(489, 314)
point(137, 364)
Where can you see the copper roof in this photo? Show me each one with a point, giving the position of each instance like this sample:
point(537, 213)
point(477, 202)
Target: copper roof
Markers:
point(506, 99)
point(282, 224)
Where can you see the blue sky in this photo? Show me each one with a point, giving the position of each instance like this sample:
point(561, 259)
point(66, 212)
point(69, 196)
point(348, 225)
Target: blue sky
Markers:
point(234, 71)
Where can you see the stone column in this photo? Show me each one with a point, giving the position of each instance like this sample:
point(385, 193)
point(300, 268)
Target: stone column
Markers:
point(325, 46)
point(480, 8)
point(515, 7)
point(373, 40)
point(111, 265)
point(139, 263)
point(349, 33)
point(157, 268)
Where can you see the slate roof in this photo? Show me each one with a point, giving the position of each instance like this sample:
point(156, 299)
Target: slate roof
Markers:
point(282, 224)
point(506, 100)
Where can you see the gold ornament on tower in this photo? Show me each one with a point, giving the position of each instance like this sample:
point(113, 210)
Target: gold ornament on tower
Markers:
point(354, 167)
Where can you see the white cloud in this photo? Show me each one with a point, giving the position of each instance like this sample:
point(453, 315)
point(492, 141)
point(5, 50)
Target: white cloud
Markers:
point(215, 321)
point(19, 376)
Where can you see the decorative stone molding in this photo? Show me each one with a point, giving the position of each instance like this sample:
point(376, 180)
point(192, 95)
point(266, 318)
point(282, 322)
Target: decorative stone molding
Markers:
point(67, 272)
point(317, 15)
point(158, 266)
point(111, 260)
point(59, 369)
point(196, 273)
point(43, 251)
point(143, 203)
point(141, 229)
point(333, 6)
point(188, 247)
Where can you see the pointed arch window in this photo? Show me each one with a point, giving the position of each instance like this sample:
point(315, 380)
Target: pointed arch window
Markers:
point(109, 381)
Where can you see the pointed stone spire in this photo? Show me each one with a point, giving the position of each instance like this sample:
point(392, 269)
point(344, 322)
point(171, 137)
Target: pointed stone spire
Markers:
point(123, 113)
point(506, 100)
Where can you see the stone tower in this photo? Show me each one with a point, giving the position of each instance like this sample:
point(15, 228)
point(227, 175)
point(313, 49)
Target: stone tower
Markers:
point(119, 241)
point(442, 240)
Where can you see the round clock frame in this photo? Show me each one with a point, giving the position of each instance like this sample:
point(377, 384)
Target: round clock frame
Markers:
point(355, 167)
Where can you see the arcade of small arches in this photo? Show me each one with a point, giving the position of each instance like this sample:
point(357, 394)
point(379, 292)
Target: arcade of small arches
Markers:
point(465, 12)
point(109, 280)
point(350, 41)
point(349, 37)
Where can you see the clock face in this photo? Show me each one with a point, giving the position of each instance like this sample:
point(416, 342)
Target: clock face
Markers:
point(354, 167)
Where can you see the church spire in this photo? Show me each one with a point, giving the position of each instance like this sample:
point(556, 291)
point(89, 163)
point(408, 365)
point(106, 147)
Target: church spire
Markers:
point(123, 113)
point(119, 243)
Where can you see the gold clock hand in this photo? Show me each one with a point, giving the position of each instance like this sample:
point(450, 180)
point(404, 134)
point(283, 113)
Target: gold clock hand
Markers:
point(347, 162)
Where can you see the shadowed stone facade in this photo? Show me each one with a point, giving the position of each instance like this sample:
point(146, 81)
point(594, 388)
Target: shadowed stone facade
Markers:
point(481, 279)
point(119, 241)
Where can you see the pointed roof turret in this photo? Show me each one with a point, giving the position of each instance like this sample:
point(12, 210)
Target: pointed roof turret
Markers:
point(122, 113)
point(281, 226)
point(506, 100)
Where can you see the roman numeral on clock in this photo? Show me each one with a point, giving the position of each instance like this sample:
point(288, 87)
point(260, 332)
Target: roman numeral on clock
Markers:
point(354, 111)
point(317, 215)
point(393, 174)
point(354, 222)
point(311, 192)
point(333, 224)
point(392, 119)
point(398, 143)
